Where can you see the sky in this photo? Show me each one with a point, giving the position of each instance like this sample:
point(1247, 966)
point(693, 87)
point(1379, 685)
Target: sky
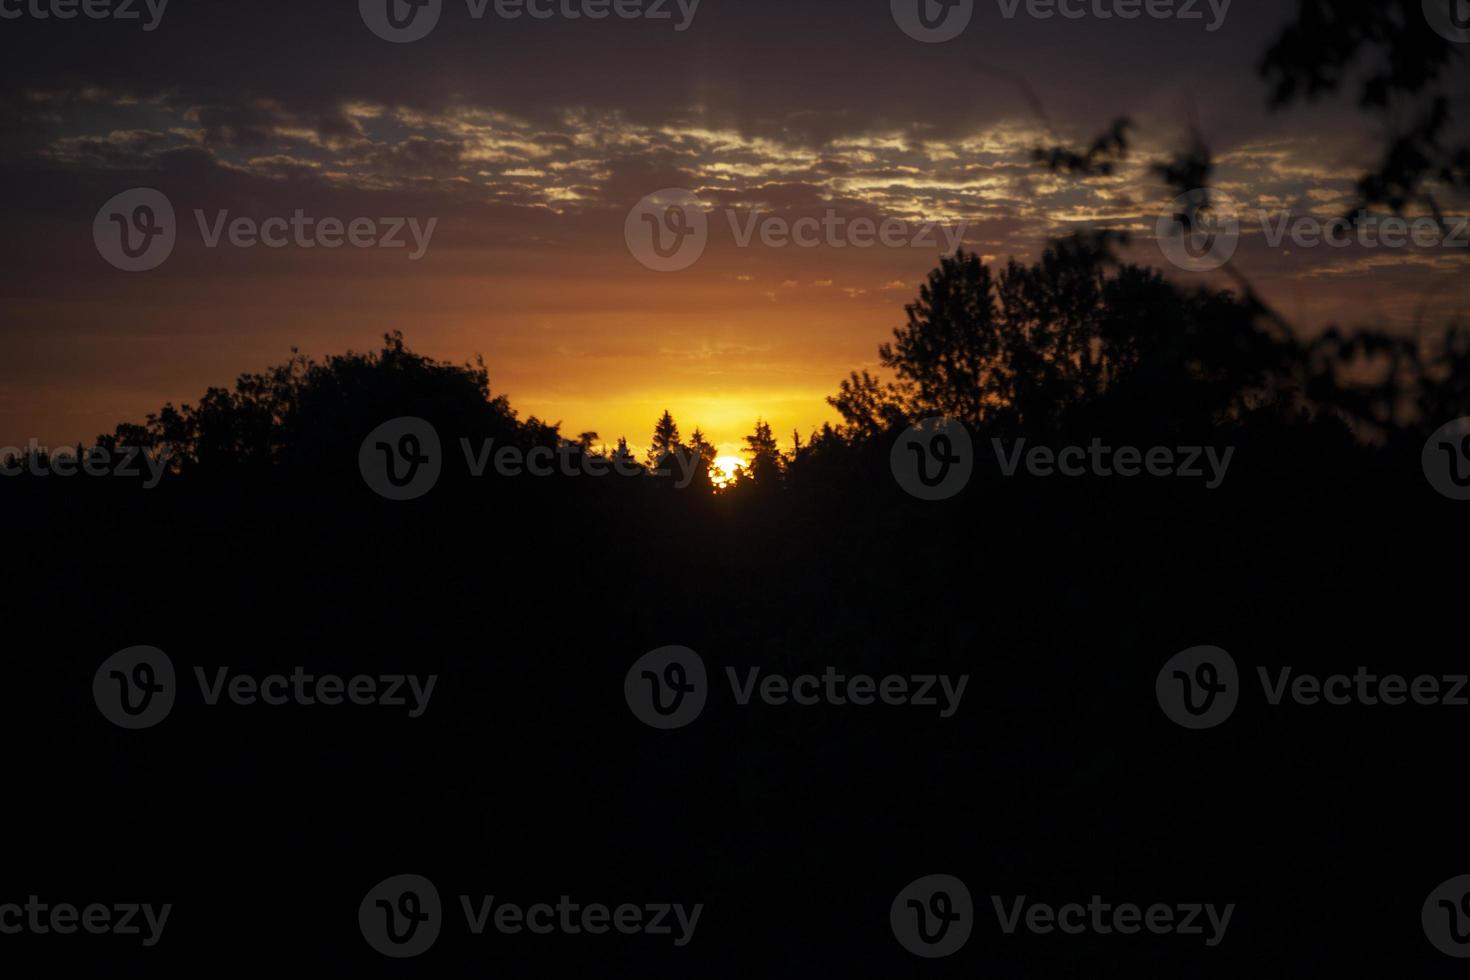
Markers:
point(530, 142)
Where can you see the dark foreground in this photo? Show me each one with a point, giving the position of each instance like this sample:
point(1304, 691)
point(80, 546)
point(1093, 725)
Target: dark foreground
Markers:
point(528, 778)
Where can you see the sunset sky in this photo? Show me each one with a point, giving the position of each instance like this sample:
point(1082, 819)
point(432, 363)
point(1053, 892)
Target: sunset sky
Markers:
point(529, 140)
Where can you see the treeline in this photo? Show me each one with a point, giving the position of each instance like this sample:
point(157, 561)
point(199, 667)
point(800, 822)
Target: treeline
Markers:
point(1073, 346)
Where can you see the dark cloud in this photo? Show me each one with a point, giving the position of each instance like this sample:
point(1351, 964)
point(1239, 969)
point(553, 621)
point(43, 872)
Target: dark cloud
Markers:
point(802, 71)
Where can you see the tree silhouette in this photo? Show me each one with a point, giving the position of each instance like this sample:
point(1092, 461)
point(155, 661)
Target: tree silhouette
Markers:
point(665, 439)
point(702, 448)
point(622, 453)
point(1401, 69)
point(303, 412)
point(1067, 338)
point(869, 406)
point(765, 455)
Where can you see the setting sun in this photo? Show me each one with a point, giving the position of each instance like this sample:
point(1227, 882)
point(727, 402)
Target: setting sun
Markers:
point(724, 470)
